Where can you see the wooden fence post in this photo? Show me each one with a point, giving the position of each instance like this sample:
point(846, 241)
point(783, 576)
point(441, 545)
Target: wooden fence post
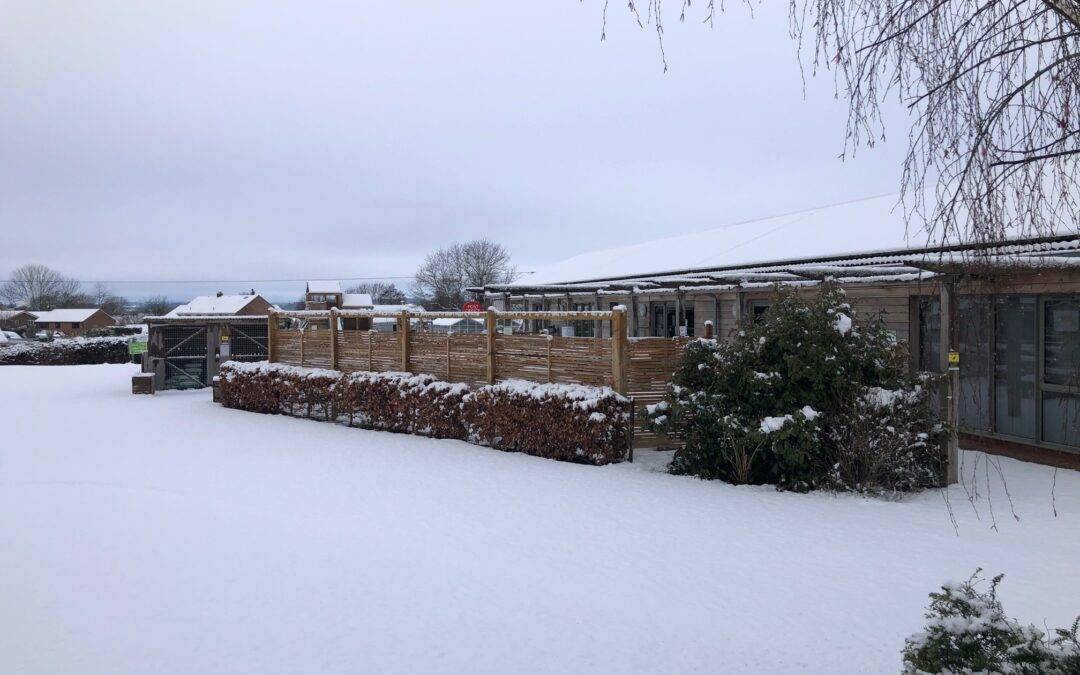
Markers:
point(950, 346)
point(333, 338)
point(403, 330)
point(618, 350)
point(448, 357)
point(489, 322)
point(303, 329)
point(271, 335)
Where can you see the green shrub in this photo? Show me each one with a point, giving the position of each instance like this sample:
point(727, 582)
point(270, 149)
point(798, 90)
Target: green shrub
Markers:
point(967, 632)
point(806, 398)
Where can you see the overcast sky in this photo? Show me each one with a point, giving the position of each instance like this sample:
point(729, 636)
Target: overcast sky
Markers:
point(256, 140)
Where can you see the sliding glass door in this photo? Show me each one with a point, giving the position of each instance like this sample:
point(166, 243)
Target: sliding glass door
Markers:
point(1061, 370)
point(1019, 364)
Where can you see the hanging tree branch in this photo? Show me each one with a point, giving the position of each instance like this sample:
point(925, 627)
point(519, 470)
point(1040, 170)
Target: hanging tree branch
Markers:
point(995, 88)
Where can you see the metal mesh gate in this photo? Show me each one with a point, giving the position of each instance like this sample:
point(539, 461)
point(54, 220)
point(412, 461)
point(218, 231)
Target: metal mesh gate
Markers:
point(248, 342)
point(184, 356)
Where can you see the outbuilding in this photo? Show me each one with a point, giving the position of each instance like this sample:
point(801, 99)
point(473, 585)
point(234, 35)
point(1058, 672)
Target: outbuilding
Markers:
point(187, 346)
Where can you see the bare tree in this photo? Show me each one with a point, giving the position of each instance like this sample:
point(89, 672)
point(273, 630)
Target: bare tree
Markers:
point(39, 287)
point(157, 305)
point(447, 272)
point(993, 86)
point(382, 293)
point(107, 301)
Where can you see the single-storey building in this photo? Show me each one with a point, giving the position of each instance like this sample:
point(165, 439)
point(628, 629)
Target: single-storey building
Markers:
point(1017, 304)
point(72, 322)
point(17, 321)
point(186, 347)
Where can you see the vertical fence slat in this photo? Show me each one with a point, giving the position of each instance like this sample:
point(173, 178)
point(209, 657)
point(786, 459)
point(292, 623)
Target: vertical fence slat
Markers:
point(333, 339)
point(403, 330)
point(489, 322)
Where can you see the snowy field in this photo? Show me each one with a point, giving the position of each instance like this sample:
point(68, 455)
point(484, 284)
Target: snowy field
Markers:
point(166, 534)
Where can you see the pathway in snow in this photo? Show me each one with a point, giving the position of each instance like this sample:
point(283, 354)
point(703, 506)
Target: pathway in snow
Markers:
point(166, 534)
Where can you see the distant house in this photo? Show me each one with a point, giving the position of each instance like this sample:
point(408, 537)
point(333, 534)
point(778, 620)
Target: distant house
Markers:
point(187, 346)
point(16, 320)
point(323, 295)
point(72, 322)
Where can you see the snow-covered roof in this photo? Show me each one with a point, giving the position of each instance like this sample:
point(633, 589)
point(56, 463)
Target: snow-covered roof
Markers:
point(323, 286)
point(851, 229)
point(65, 315)
point(355, 300)
point(454, 322)
point(12, 313)
point(213, 305)
point(407, 307)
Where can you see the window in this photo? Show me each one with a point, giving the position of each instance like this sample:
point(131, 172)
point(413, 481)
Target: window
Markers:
point(1014, 365)
point(758, 309)
point(1061, 370)
point(76, 324)
point(929, 311)
point(976, 361)
point(584, 328)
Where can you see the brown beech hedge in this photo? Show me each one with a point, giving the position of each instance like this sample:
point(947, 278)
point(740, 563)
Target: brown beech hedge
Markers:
point(558, 421)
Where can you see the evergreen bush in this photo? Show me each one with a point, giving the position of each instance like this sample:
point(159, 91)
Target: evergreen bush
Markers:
point(967, 632)
point(805, 398)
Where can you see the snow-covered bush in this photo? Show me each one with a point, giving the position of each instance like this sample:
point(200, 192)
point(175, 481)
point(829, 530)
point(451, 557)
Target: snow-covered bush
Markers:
point(65, 352)
point(806, 398)
point(570, 422)
point(566, 422)
point(967, 632)
point(402, 402)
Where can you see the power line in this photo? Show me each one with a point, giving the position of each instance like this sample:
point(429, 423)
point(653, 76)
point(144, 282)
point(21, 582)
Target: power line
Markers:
point(229, 281)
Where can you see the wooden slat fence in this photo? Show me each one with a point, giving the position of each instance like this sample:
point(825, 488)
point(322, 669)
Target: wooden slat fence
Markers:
point(651, 361)
point(638, 367)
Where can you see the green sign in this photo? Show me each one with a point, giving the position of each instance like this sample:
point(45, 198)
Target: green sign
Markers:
point(136, 348)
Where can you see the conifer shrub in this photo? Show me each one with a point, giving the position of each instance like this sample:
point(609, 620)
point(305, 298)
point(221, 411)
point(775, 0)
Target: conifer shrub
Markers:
point(806, 398)
point(967, 631)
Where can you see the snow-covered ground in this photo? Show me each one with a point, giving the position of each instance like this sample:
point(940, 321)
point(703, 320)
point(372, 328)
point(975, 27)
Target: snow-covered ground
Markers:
point(166, 534)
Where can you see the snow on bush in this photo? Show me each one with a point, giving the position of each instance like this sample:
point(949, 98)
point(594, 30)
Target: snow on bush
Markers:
point(570, 422)
point(806, 398)
point(567, 422)
point(65, 352)
point(967, 632)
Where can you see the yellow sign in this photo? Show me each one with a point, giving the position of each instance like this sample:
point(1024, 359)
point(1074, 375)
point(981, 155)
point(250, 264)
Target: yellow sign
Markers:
point(954, 358)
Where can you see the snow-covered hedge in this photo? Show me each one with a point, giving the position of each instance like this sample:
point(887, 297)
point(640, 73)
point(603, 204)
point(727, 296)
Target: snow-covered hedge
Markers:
point(967, 631)
point(806, 398)
point(562, 421)
point(65, 352)
point(566, 422)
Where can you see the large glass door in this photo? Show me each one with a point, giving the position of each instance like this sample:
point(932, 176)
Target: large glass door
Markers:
point(1014, 365)
point(1060, 371)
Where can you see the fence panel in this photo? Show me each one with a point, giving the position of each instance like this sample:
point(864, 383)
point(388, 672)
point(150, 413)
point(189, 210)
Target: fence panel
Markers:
point(368, 350)
point(646, 363)
point(650, 363)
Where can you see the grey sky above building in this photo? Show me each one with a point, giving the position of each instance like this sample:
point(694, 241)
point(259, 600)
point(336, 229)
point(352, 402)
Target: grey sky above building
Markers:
point(251, 141)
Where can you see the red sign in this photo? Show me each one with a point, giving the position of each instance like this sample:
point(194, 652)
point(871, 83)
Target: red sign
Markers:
point(473, 306)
